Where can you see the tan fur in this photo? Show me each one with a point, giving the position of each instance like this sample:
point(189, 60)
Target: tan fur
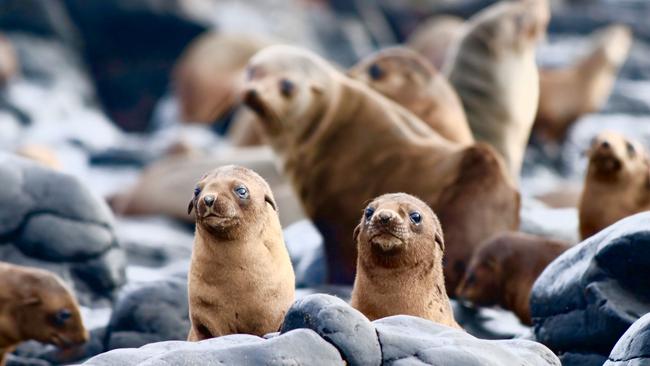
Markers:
point(8, 60)
point(570, 92)
point(41, 154)
point(240, 279)
point(399, 266)
point(245, 131)
point(407, 78)
point(208, 75)
point(343, 144)
point(30, 300)
point(617, 183)
point(494, 71)
point(433, 38)
point(163, 186)
point(503, 270)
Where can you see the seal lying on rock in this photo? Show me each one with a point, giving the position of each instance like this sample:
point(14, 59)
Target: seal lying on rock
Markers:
point(400, 247)
point(407, 78)
point(503, 270)
point(240, 279)
point(37, 305)
point(494, 71)
point(568, 93)
point(617, 183)
point(342, 144)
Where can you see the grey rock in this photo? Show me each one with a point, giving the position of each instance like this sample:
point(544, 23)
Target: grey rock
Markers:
point(582, 359)
point(12, 196)
point(589, 296)
point(55, 239)
point(150, 312)
point(634, 346)
point(104, 273)
point(298, 347)
point(338, 323)
point(408, 340)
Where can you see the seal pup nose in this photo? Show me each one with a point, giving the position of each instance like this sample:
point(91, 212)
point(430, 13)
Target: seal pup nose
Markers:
point(209, 200)
point(604, 145)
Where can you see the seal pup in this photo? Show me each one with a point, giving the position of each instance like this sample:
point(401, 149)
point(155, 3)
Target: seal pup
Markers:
point(37, 305)
point(241, 279)
point(568, 93)
point(493, 69)
point(407, 78)
point(503, 270)
point(433, 38)
point(342, 144)
point(208, 75)
point(617, 183)
point(399, 266)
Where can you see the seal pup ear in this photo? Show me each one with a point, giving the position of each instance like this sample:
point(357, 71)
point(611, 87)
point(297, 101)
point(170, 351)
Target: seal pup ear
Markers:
point(440, 241)
point(270, 201)
point(317, 89)
point(190, 206)
point(355, 234)
point(31, 300)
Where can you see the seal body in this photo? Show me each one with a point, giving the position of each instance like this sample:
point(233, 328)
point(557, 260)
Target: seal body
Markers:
point(240, 279)
point(342, 144)
point(568, 93)
point(8, 60)
point(408, 79)
point(399, 266)
point(433, 38)
point(37, 305)
point(503, 270)
point(617, 183)
point(493, 69)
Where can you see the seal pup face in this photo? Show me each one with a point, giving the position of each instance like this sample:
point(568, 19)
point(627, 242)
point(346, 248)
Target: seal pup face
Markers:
point(482, 282)
point(228, 199)
point(287, 88)
point(395, 72)
point(393, 229)
point(48, 312)
point(612, 156)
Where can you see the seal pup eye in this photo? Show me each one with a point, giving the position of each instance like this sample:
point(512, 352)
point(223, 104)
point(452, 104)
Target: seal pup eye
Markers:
point(197, 190)
point(631, 151)
point(62, 316)
point(415, 216)
point(369, 212)
point(286, 87)
point(375, 72)
point(242, 192)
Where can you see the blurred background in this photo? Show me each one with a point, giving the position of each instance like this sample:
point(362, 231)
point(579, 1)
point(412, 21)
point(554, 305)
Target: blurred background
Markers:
point(89, 88)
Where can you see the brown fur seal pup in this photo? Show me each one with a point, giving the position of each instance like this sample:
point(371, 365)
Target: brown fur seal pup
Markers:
point(570, 92)
point(208, 76)
point(494, 71)
point(617, 183)
point(407, 78)
point(342, 144)
point(503, 270)
point(399, 266)
point(240, 279)
point(8, 60)
point(245, 131)
point(162, 187)
point(37, 305)
point(433, 38)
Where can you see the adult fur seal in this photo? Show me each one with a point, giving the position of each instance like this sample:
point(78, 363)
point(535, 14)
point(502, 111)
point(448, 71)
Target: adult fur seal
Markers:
point(208, 76)
point(342, 144)
point(503, 270)
point(240, 279)
point(433, 38)
point(399, 266)
point(37, 305)
point(494, 71)
point(570, 92)
point(617, 183)
point(407, 78)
